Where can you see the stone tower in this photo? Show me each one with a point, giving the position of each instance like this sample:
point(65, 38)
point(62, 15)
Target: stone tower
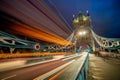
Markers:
point(82, 32)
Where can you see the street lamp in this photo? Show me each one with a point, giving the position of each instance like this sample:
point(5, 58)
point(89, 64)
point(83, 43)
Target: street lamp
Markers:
point(82, 32)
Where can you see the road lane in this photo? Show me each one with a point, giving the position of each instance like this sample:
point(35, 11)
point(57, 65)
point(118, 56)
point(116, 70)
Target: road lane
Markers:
point(29, 73)
point(59, 73)
point(70, 71)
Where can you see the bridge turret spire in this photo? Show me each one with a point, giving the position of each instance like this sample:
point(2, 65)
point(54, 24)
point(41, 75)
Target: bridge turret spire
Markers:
point(87, 13)
point(80, 16)
point(73, 17)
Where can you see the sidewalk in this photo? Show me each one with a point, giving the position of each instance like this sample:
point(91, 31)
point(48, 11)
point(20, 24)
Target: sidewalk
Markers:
point(103, 69)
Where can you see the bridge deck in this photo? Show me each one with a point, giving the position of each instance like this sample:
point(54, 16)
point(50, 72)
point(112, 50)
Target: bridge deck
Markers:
point(103, 69)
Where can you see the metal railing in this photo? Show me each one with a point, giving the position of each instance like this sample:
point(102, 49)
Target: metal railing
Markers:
point(82, 73)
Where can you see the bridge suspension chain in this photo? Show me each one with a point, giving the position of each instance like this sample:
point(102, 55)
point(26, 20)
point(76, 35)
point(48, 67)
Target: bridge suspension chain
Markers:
point(108, 43)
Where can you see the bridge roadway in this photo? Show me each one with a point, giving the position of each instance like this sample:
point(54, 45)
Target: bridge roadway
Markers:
point(37, 71)
point(69, 72)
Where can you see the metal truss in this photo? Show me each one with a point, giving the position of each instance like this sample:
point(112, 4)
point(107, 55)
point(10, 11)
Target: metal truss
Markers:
point(7, 40)
point(108, 43)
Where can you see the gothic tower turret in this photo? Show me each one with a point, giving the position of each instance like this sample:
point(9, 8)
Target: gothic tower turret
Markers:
point(82, 32)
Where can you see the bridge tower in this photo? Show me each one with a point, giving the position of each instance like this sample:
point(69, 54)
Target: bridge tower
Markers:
point(82, 32)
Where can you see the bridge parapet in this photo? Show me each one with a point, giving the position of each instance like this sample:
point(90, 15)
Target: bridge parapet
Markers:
point(82, 73)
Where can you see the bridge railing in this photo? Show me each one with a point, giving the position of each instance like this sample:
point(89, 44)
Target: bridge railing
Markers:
point(82, 73)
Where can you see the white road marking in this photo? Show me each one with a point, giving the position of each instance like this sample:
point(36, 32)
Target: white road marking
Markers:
point(68, 58)
point(8, 77)
point(44, 76)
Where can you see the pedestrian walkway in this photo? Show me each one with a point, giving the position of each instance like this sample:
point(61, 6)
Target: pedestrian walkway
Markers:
point(103, 69)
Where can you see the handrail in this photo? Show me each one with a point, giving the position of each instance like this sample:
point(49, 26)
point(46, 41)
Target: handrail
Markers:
point(83, 69)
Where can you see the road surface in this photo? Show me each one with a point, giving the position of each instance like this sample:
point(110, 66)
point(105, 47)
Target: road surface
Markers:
point(30, 73)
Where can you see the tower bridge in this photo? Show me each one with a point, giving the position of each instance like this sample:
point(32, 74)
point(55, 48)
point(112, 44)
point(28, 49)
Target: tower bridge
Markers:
point(82, 32)
point(52, 49)
point(82, 35)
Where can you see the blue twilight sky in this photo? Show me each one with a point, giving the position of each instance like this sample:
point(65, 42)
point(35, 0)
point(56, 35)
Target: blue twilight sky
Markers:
point(105, 14)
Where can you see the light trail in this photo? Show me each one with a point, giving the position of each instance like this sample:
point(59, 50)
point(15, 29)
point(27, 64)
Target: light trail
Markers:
point(8, 77)
point(59, 73)
point(41, 35)
point(36, 21)
point(36, 14)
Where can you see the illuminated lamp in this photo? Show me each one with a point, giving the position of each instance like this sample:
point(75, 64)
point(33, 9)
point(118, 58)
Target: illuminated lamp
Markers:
point(37, 46)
